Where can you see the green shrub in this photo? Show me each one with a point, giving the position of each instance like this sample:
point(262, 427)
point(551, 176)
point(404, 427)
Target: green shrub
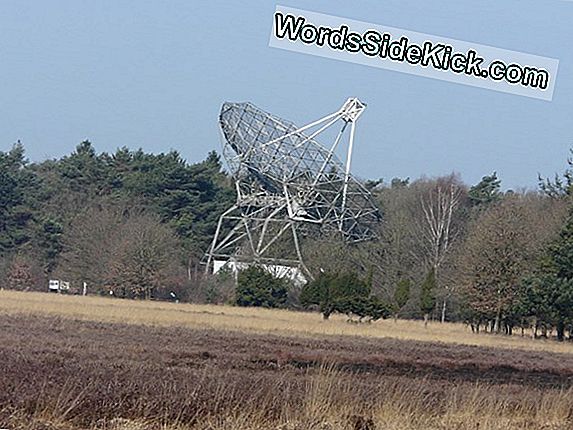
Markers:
point(343, 293)
point(401, 295)
point(427, 295)
point(371, 308)
point(257, 287)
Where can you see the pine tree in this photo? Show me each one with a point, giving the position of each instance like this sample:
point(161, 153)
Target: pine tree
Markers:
point(401, 295)
point(19, 197)
point(257, 287)
point(561, 263)
point(427, 295)
point(486, 191)
point(562, 250)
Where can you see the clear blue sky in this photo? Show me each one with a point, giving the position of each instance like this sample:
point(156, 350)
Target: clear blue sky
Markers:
point(153, 74)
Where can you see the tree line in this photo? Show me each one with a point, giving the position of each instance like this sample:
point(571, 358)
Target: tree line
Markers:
point(135, 224)
point(131, 223)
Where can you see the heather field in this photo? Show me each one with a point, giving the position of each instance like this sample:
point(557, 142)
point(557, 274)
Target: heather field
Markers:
point(96, 363)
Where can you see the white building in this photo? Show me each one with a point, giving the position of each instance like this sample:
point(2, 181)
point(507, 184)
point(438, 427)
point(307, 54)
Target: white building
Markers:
point(294, 274)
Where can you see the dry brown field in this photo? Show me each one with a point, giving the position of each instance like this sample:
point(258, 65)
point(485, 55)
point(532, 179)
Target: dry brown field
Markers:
point(69, 362)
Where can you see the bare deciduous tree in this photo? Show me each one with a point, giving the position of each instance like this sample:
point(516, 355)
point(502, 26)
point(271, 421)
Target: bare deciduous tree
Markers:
point(438, 206)
point(20, 276)
point(502, 247)
point(143, 256)
point(120, 248)
point(440, 225)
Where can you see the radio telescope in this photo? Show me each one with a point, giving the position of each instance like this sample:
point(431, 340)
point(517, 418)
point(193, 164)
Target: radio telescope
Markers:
point(287, 183)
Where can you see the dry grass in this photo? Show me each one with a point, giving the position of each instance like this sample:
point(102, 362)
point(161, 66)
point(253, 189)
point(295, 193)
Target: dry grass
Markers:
point(327, 400)
point(253, 320)
point(60, 373)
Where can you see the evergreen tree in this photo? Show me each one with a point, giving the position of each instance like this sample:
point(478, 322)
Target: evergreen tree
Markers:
point(86, 172)
point(427, 295)
point(486, 191)
point(330, 288)
point(49, 241)
point(560, 186)
point(401, 295)
point(20, 190)
point(257, 287)
point(561, 252)
point(560, 283)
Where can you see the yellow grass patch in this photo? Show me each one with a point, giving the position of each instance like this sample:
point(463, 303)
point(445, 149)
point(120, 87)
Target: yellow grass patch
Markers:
point(255, 320)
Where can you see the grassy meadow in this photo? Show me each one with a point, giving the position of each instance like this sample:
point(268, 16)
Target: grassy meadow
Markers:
point(256, 320)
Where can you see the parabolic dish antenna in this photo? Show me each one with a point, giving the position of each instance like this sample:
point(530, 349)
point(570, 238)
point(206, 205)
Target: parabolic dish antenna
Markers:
point(286, 180)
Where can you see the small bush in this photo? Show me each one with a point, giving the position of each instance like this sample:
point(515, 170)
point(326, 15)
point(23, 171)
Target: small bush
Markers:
point(369, 308)
point(257, 287)
point(344, 293)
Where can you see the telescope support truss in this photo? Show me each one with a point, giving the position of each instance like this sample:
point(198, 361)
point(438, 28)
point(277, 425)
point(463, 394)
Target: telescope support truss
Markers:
point(286, 180)
point(254, 234)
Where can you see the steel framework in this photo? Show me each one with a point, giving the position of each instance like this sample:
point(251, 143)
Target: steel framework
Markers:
point(286, 180)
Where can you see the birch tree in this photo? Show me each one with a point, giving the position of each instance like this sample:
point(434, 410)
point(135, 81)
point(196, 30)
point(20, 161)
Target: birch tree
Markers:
point(439, 227)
